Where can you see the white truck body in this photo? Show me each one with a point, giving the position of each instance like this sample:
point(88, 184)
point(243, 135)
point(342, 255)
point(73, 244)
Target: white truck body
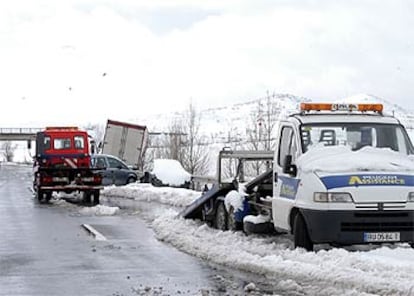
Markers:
point(126, 141)
point(343, 178)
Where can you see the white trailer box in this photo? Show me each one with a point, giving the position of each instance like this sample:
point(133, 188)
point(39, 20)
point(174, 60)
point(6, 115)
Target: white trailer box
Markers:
point(126, 141)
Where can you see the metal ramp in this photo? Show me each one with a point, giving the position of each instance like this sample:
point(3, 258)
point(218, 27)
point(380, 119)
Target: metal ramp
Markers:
point(193, 210)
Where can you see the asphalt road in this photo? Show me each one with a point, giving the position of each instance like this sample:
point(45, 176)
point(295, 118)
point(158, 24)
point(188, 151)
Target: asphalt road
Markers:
point(44, 250)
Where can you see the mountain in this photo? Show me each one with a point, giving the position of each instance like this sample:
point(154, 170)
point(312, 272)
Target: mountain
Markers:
point(406, 117)
point(232, 122)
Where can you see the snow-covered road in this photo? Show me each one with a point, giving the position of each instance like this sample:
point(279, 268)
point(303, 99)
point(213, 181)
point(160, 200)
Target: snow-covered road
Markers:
point(358, 270)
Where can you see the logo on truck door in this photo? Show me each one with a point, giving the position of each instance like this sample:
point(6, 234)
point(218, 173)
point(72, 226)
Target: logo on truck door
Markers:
point(367, 180)
point(288, 187)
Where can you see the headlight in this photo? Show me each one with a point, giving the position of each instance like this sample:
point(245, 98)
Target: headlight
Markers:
point(410, 197)
point(333, 197)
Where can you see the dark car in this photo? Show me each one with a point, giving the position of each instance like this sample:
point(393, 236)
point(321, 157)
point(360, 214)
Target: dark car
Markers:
point(114, 170)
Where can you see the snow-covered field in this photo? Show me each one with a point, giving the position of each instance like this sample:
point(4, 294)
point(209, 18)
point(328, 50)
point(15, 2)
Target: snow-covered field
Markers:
point(358, 270)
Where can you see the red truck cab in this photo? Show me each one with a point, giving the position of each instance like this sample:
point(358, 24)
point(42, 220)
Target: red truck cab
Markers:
point(63, 163)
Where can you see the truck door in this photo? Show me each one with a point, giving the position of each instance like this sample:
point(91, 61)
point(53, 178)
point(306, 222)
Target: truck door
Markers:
point(285, 183)
point(119, 171)
point(101, 163)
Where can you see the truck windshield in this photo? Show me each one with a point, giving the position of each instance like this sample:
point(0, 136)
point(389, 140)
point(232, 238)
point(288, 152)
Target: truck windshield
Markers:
point(62, 143)
point(356, 136)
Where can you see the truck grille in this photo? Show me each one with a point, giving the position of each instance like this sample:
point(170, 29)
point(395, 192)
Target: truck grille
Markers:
point(379, 222)
point(378, 226)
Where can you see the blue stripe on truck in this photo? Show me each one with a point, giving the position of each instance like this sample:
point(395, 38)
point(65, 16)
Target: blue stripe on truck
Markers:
point(357, 180)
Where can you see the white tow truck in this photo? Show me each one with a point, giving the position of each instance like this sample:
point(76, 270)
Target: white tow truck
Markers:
point(342, 174)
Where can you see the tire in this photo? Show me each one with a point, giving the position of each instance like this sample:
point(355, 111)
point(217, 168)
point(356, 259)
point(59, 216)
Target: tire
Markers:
point(232, 224)
point(204, 218)
point(48, 196)
point(96, 194)
point(87, 198)
point(262, 228)
point(220, 218)
point(131, 180)
point(40, 195)
point(300, 234)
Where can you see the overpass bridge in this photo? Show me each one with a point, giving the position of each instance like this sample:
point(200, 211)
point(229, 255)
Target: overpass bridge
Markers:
point(19, 134)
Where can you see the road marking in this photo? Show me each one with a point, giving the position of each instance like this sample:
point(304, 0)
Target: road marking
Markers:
point(98, 236)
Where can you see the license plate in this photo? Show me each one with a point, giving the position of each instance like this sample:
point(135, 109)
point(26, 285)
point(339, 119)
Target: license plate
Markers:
point(381, 237)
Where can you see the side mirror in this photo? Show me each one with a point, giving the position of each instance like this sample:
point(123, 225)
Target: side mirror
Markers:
point(288, 167)
point(29, 144)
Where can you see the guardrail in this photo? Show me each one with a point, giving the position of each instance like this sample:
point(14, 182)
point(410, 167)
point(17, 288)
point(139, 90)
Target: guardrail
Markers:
point(19, 130)
point(18, 133)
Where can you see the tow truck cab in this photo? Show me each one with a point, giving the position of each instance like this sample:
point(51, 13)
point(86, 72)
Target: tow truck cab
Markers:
point(63, 147)
point(343, 175)
point(63, 163)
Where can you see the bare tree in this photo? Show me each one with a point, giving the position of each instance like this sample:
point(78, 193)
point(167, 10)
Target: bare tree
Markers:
point(183, 142)
point(8, 150)
point(195, 157)
point(260, 129)
point(175, 140)
point(96, 131)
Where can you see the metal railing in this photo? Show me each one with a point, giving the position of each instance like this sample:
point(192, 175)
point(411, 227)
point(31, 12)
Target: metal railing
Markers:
point(19, 130)
point(18, 133)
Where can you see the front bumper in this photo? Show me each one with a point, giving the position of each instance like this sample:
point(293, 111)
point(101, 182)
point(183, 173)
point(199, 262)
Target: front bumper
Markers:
point(71, 187)
point(348, 227)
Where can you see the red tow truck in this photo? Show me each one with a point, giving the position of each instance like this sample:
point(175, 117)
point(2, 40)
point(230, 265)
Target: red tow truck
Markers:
point(63, 164)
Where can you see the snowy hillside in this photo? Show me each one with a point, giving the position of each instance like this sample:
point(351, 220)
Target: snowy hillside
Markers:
point(405, 116)
point(219, 123)
point(230, 121)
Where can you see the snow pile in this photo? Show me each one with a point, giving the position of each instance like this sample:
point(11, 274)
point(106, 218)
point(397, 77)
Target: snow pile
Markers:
point(99, 210)
point(382, 271)
point(259, 219)
point(170, 172)
point(343, 159)
point(234, 199)
point(177, 197)
point(357, 270)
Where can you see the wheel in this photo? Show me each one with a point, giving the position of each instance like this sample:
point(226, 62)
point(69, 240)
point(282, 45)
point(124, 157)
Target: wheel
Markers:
point(48, 196)
point(220, 219)
point(131, 180)
point(87, 198)
point(232, 224)
point(301, 235)
point(204, 218)
point(262, 228)
point(39, 195)
point(96, 194)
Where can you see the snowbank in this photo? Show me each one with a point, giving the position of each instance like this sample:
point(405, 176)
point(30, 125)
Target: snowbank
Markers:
point(382, 271)
point(99, 210)
point(357, 270)
point(177, 197)
point(343, 159)
point(170, 172)
point(259, 219)
point(234, 199)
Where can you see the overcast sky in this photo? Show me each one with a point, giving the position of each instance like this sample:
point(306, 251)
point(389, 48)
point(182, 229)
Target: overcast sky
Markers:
point(71, 62)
